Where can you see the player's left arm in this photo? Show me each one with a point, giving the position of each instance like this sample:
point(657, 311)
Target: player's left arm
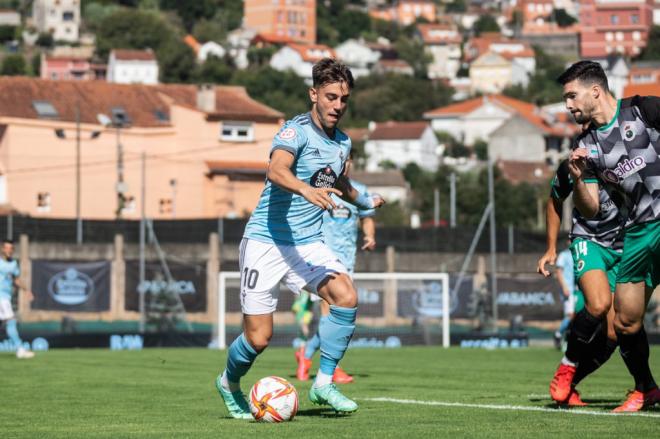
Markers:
point(19, 284)
point(353, 196)
point(369, 231)
point(585, 186)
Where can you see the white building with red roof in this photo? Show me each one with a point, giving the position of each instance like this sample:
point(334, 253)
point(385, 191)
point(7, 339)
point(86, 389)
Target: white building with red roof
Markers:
point(401, 143)
point(132, 67)
point(300, 58)
point(443, 43)
point(515, 130)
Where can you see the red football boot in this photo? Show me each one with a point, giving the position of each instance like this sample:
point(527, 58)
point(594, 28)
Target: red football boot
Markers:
point(560, 386)
point(639, 400)
point(304, 364)
point(574, 399)
point(341, 377)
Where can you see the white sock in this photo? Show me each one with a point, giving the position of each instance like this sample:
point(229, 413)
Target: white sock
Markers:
point(228, 385)
point(322, 379)
point(568, 362)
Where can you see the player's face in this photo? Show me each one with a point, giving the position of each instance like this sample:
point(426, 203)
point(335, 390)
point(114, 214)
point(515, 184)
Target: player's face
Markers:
point(329, 103)
point(580, 100)
point(7, 250)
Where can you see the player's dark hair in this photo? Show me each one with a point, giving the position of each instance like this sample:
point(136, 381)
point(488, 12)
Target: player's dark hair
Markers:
point(587, 72)
point(8, 241)
point(329, 71)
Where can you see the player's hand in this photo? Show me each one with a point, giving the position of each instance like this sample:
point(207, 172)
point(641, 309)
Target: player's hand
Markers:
point(378, 201)
point(577, 162)
point(550, 257)
point(369, 243)
point(320, 196)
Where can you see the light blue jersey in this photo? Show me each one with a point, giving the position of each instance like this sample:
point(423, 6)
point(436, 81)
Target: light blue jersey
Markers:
point(565, 262)
point(9, 270)
point(285, 218)
point(340, 227)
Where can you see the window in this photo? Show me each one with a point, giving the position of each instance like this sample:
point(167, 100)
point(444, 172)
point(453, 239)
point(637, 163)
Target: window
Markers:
point(68, 16)
point(119, 116)
point(165, 205)
point(614, 19)
point(162, 116)
point(43, 202)
point(609, 36)
point(45, 110)
point(634, 19)
point(619, 36)
point(636, 36)
point(237, 132)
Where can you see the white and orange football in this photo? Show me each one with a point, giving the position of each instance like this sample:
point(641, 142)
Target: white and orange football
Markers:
point(273, 399)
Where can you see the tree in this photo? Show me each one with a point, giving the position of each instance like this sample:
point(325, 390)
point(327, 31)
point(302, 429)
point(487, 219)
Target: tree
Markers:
point(176, 61)
point(14, 65)
point(284, 91)
point(542, 87)
point(190, 10)
point(36, 64)
point(486, 23)
point(563, 18)
point(45, 40)
point(394, 97)
point(481, 149)
point(412, 51)
point(7, 33)
point(392, 214)
point(457, 6)
point(131, 29)
point(652, 50)
point(215, 70)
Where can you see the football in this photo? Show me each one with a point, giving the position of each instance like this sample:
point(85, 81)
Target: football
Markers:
point(273, 399)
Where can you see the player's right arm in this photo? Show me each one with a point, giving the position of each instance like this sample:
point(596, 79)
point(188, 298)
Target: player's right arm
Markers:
point(585, 185)
point(560, 189)
point(279, 173)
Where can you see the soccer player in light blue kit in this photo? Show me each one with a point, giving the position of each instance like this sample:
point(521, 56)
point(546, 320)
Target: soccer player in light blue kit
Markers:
point(283, 240)
point(340, 230)
point(9, 272)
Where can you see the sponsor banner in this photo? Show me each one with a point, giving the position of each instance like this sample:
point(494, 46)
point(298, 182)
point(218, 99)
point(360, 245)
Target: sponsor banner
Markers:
point(423, 298)
point(188, 281)
point(534, 298)
point(71, 286)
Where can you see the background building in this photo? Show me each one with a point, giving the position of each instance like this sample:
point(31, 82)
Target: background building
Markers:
point(60, 18)
point(292, 19)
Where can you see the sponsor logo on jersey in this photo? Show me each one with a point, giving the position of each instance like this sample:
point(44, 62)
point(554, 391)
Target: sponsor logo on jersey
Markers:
point(580, 265)
point(628, 132)
point(624, 170)
point(324, 177)
point(287, 134)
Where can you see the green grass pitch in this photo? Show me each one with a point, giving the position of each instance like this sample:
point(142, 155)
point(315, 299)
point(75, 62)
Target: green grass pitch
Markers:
point(159, 393)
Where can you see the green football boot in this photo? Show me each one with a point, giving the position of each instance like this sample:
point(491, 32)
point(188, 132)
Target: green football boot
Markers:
point(330, 395)
point(235, 402)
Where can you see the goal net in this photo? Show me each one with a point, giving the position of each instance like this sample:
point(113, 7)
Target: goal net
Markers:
point(394, 309)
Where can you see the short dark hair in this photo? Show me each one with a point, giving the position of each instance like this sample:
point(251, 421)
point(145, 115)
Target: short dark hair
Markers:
point(329, 71)
point(589, 72)
point(8, 241)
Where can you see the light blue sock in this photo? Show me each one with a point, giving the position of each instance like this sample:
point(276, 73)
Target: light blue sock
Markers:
point(564, 325)
point(239, 359)
point(313, 343)
point(335, 333)
point(12, 333)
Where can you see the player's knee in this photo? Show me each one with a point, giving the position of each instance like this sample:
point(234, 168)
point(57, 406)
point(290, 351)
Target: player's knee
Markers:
point(599, 307)
point(627, 324)
point(346, 296)
point(259, 340)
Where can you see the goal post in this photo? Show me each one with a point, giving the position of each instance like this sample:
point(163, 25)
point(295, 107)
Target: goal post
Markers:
point(392, 300)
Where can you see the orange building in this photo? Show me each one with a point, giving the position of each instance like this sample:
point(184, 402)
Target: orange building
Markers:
point(406, 12)
point(206, 149)
point(287, 20)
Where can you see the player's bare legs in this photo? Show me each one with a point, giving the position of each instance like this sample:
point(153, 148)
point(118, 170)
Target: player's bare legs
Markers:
point(335, 333)
point(630, 304)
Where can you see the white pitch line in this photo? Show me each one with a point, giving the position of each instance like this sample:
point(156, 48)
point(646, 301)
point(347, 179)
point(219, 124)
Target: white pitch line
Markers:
point(590, 396)
point(510, 407)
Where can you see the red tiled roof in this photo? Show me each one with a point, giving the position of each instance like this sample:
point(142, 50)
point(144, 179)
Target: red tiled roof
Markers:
point(642, 90)
point(192, 43)
point(393, 64)
point(231, 102)
point(398, 130)
point(357, 134)
point(529, 111)
point(134, 55)
point(477, 46)
point(529, 172)
point(271, 39)
point(313, 52)
point(525, 53)
point(140, 102)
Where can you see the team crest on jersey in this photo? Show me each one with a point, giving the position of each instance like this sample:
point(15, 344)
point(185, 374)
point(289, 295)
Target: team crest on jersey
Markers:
point(287, 134)
point(580, 265)
point(324, 177)
point(341, 212)
point(628, 132)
